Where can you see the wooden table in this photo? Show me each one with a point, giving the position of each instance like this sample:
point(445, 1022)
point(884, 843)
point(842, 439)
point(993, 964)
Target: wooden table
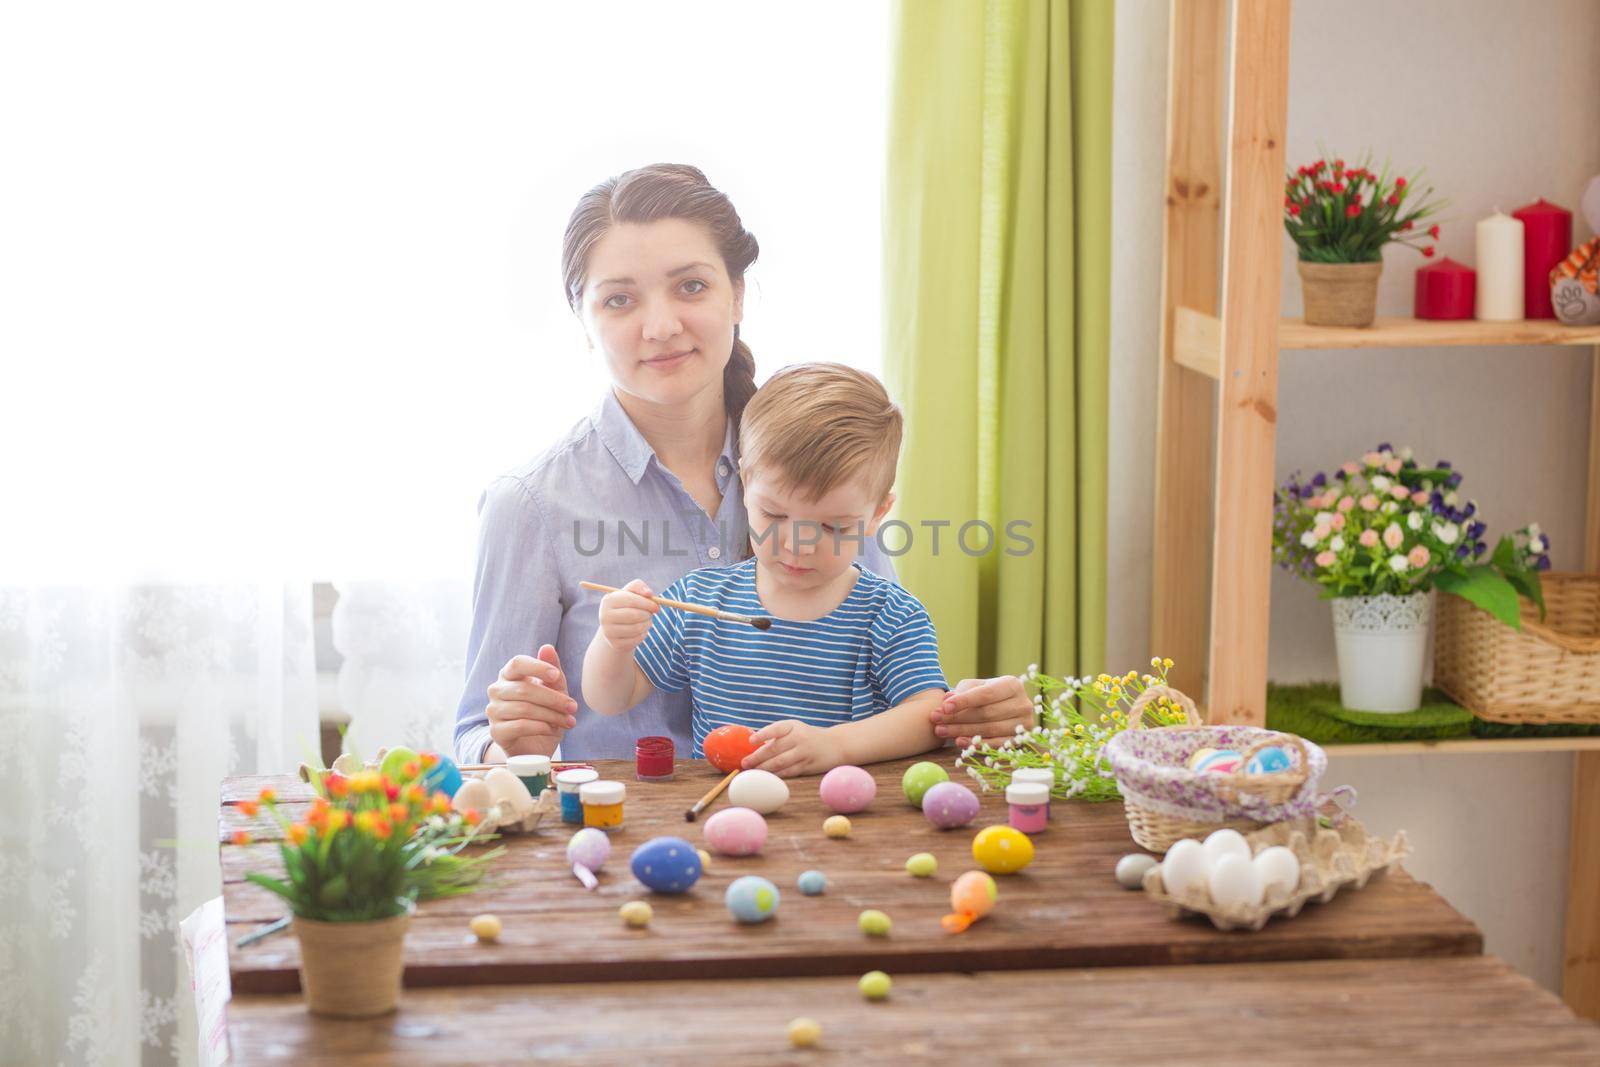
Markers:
point(1065, 910)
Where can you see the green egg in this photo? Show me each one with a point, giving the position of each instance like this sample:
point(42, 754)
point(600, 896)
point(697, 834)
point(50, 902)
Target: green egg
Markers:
point(874, 923)
point(874, 985)
point(922, 865)
point(394, 760)
point(921, 777)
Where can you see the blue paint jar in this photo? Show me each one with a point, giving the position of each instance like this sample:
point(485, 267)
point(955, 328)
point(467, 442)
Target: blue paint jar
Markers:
point(567, 785)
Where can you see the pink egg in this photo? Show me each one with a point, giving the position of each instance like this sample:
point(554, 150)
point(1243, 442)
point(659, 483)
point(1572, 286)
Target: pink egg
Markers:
point(736, 832)
point(949, 805)
point(847, 790)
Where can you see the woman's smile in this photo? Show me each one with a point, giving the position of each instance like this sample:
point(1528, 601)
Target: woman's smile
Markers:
point(669, 360)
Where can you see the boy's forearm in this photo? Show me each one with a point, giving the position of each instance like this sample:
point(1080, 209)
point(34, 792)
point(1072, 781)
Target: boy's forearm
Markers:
point(611, 680)
point(903, 730)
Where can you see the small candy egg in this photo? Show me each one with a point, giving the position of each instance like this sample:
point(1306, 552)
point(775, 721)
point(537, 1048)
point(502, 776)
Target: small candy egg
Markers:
point(758, 790)
point(972, 896)
point(1268, 761)
point(1002, 849)
point(949, 805)
point(736, 832)
point(752, 899)
point(874, 985)
point(666, 864)
point(874, 923)
point(1225, 842)
point(1198, 755)
point(847, 789)
point(636, 913)
point(444, 777)
point(922, 865)
point(394, 760)
point(921, 777)
point(804, 1033)
point(473, 795)
point(836, 826)
point(811, 883)
point(589, 848)
point(1131, 868)
point(727, 746)
point(1279, 869)
point(1234, 882)
point(1220, 762)
point(705, 858)
point(1185, 867)
point(485, 928)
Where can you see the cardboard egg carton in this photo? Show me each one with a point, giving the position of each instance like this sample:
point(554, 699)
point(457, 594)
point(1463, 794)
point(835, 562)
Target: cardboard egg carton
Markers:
point(1331, 859)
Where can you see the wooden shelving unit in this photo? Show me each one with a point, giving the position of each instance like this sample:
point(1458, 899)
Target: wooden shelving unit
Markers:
point(1226, 119)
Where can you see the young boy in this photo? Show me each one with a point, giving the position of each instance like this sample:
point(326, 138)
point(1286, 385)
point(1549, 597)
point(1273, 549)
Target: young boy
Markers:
point(849, 670)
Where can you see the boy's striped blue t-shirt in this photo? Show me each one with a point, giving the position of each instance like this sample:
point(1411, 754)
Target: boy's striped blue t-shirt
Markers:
point(870, 653)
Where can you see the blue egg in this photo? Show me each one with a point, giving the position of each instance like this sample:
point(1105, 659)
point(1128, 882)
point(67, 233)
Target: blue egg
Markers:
point(811, 882)
point(445, 777)
point(752, 899)
point(666, 864)
point(1269, 761)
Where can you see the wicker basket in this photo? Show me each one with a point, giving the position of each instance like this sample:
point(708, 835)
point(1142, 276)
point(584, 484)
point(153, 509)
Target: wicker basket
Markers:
point(1549, 672)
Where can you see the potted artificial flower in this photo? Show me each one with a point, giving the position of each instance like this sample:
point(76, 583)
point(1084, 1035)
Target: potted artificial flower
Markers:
point(367, 850)
point(1378, 536)
point(1340, 220)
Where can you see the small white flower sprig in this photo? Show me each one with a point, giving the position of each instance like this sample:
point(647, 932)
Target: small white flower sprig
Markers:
point(1076, 717)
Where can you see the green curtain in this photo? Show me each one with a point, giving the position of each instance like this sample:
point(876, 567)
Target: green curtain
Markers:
point(997, 270)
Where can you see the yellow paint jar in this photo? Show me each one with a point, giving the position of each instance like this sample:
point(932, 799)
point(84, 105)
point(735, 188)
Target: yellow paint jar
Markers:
point(602, 804)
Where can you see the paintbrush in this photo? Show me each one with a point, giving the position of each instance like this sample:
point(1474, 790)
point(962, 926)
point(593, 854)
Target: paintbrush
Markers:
point(705, 801)
point(759, 622)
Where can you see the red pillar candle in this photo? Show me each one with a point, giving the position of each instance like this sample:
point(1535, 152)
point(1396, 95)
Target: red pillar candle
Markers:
point(1447, 290)
point(1547, 238)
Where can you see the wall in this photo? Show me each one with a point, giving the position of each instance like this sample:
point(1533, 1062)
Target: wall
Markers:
point(1501, 106)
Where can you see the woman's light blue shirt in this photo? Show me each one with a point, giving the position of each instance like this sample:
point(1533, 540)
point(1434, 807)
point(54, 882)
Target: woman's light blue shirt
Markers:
point(597, 506)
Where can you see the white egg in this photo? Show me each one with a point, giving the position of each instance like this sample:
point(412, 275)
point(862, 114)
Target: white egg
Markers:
point(1234, 882)
point(1184, 869)
point(1279, 868)
point(1226, 843)
point(1131, 868)
point(759, 790)
point(473, 794)
point(507, 789)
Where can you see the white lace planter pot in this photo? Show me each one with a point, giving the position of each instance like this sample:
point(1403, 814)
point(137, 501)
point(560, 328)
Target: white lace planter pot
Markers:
point(1382, 642)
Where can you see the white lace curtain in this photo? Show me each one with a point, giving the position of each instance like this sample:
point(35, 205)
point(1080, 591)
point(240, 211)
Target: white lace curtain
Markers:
point(121, 708)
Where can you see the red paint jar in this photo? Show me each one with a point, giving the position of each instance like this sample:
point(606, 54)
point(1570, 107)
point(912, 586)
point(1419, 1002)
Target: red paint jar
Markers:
point(653, 759)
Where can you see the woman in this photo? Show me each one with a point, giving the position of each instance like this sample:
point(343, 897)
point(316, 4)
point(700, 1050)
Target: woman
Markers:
point(646, 486)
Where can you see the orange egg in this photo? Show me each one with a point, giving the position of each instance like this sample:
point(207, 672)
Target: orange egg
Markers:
point(727, 746)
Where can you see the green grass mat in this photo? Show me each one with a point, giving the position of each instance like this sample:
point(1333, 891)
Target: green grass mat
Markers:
point(1313, 711)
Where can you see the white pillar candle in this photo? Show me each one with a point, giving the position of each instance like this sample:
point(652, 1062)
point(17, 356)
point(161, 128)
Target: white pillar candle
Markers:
point(1499, 268)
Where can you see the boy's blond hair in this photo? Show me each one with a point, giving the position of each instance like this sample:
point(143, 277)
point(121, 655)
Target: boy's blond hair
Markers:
point(816, 426)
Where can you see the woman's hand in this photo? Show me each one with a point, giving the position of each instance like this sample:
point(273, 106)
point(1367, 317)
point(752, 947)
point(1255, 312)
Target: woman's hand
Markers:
point(529, 709)
point(790, 748)
point(625, 616)
point(984, 707)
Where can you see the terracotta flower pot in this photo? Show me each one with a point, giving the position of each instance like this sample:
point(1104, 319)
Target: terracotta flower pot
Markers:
point(1340, 294)
point(351, 969)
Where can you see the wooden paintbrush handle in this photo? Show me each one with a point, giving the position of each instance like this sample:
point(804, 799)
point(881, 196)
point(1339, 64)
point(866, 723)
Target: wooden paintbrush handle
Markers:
point(679, 604)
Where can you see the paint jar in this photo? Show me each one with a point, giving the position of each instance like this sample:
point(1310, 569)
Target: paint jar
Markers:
point(567, 785)
point(602, 804)
point(652, 758)
point(1045, 776)
point(533, 770)
point(1027, 802)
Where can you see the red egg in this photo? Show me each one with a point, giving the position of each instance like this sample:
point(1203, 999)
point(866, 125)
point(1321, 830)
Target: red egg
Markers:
point(727, 746)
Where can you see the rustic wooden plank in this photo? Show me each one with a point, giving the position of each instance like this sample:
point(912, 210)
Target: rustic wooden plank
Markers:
point(1473, 1010)
point(1390, 332)
point(1581, 972)
point(1064, 910)
point(1186, 401)
point(1247, 405)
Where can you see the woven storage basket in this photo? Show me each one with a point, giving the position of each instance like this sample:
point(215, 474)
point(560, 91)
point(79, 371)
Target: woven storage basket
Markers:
point(1549, 672)
point(1166, 802)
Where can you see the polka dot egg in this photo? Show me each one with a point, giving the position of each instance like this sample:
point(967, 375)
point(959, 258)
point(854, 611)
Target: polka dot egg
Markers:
point(736, 832)
point(666, 864)
point(811, 883)
point(1002, 850)
point(752, 899)
point(847, 790)
point(949, 805)
point(921, 777)
point(836, 826)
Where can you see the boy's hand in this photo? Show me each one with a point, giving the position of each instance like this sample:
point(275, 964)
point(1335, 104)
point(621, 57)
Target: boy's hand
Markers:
point(625, 616)
point(790, 748)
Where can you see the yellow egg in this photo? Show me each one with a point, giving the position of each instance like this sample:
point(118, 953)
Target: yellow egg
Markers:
point(803, 1033)
point(636, 913)
point(1002, 850)
point(922, 865)
point(836, 826)
point(485, 927)
point(874, 985)
point(874, 923)
point(705, 858)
